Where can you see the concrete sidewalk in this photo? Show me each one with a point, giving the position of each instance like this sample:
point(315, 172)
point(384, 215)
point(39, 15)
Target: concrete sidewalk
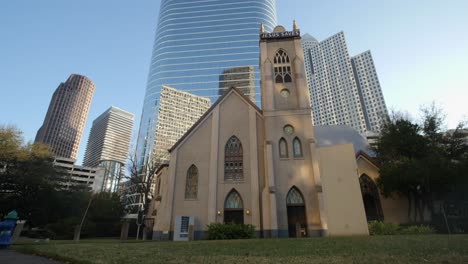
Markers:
point(8, 256)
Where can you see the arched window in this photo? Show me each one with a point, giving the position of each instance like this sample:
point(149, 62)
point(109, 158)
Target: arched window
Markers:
point(234, 208)
point(282, 67)
point(297, 148)
point(233, 160)
point(294, 197)
point(283, 148)
point(371, 199)
point(191, 184)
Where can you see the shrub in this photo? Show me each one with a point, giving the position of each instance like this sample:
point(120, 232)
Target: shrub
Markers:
point(63, 229)
point(377, 228)
point(219, 231)
point(417, 230)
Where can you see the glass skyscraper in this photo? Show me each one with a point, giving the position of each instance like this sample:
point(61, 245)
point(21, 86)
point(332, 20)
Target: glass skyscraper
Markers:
point(196, 41)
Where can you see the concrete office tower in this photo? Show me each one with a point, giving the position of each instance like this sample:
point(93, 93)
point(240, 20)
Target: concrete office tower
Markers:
point(195, 42)
point(343, 90)
point(243, 78)
point(66, 116)
point(108, 144)
point(178, 112)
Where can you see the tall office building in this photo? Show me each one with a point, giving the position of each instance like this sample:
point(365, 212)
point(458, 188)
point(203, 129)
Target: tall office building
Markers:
point(243, 78)
point(343, 90)
point(66, 116)
point(195, 42)
point(178, 112)
point(108, 144)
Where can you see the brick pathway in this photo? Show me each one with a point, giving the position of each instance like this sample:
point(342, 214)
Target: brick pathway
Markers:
point(8, 256)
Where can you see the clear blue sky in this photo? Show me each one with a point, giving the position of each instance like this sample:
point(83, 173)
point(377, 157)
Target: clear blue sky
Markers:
point(420, 49)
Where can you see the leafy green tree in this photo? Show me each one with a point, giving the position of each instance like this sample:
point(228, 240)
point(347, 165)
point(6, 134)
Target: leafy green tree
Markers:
point(420, 161)
point(104, 215)
point(28, 178)
point(30, 184)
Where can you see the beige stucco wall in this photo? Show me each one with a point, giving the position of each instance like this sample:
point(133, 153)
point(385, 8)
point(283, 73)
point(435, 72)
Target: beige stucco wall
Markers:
point(194, 150)
point(343, 199)
point(232, 116)
point(280, 111)
point(234, 121)
point(162, 207)
point(395, 209)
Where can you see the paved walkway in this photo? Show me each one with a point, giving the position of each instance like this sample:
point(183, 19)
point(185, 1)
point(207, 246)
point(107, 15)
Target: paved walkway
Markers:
point(8, 256)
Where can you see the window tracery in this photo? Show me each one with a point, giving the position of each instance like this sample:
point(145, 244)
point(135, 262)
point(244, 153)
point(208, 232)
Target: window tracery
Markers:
point(233, 160)
point(282, 67)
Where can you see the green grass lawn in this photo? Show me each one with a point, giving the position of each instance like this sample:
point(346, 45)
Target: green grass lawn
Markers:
point(375, 249)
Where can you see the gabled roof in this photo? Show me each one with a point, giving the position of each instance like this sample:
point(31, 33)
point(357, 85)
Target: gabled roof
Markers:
point(232, 89)
point(366, 156)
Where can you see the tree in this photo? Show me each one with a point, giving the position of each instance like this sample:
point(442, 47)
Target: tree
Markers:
point(420, 161)
point(28, 178)
point(104, 215)
point(140, 185)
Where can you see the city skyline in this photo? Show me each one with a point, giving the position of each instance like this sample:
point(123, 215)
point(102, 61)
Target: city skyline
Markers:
point(195, 42)
point(419, 50)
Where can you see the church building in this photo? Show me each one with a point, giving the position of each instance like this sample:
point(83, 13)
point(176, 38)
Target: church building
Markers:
point(263, 167)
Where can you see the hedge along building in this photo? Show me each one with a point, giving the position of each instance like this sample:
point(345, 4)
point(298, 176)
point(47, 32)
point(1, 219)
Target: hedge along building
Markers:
point(261, 167)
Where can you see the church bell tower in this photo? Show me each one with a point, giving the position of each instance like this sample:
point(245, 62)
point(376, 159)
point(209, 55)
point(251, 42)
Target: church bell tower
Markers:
point(293, 187)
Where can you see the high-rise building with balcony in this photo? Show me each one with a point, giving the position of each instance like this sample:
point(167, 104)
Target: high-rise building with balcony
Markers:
point(343, 90)
point(178, 112)
point(196, 41)
point(108, 144)
point(66, 116)
point(243, 78)
point(370, 92)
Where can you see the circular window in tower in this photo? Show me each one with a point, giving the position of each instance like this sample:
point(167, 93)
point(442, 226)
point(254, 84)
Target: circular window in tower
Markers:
point(285, 93)
point(288, 129)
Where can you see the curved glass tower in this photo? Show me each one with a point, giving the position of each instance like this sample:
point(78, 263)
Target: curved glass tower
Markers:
point(198, 43)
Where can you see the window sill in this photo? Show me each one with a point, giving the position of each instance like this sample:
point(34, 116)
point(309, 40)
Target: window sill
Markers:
point(233, 182)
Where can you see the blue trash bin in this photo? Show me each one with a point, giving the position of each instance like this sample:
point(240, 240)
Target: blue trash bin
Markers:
point(6, 229)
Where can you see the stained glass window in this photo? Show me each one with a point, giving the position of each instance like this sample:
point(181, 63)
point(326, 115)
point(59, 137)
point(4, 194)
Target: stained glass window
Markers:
point(294, 197)
point(297, 147)
point(233, 160)
point(283, 148)
point(233, 201)
point(191, 185)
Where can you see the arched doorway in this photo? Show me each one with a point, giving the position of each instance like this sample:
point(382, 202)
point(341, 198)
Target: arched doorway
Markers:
point(233, 208)
point(297, 221)
point(371, 199)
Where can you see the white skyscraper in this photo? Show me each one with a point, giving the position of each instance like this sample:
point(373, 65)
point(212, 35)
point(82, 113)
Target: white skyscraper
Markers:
point(343, 90)
point(108, 145)
point(178, 111)
point(369, 90)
